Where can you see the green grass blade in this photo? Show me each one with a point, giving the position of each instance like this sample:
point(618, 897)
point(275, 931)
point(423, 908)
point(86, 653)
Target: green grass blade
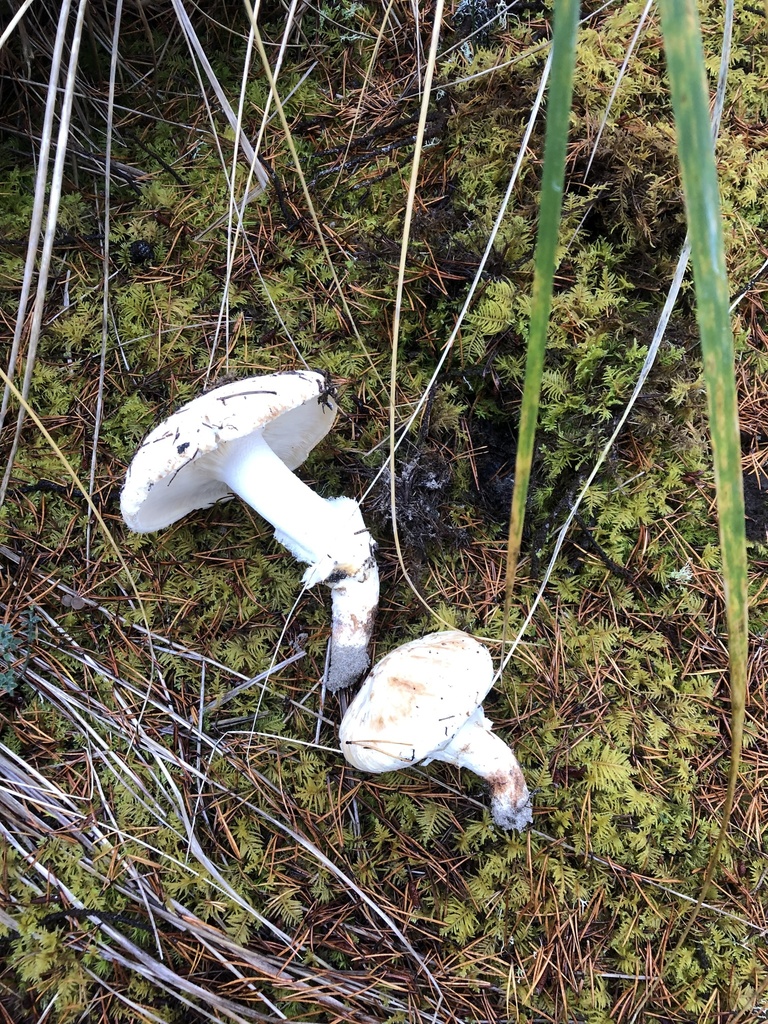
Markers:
point(566, 18)
point(690, 100)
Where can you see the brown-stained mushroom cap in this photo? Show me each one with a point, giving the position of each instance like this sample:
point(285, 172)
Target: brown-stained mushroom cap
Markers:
point(423, 702)
point(415, 700)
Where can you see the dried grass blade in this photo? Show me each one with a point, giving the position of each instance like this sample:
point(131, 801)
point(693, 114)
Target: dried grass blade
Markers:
point(406, 235)
point(38, 212)
point(196, 48)
point(105, 311)
point(54, 198)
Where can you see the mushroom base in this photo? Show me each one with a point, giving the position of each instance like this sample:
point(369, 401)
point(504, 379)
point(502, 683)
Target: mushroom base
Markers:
point(355, 602)
point(511, 801)
point(483, 752)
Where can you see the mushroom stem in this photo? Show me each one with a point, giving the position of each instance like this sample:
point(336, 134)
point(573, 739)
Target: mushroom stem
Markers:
point(481, 751)
point(355, 600)
point(314, 530)
point(328, 533)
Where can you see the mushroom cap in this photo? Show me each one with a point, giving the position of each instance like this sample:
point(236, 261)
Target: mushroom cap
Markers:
point(170, 476)
point(415, 700)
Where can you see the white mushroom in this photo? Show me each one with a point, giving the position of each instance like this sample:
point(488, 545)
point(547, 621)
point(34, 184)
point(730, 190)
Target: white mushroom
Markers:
point(422, 702)
point(247, 437)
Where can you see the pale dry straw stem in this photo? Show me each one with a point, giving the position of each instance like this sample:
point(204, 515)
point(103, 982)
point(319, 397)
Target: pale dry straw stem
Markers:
point(162, 754)
point(105, 310)
point(232, 969)
point(38, 214)
point(48, 1009)
point(163, 757)
point(619, 79)
point(54, 198)
point(265, 117)
point(278, 643)
point(743, 294)
point(419, 48)
point(141, 886)
point(252, 193)
point(394, 443)
point(176, 985)
point(183, 920)
point(76, 706)
point(197, 51)
point(235, 211)
point(199, 58)
point(405, 428)
point(251, 681)
point(132, 956)
point(167, 756)
point(232, 209)
point(239, 213)
point(61, 806)
point(278, 315)
point(277, 969)
point(72, 705)
point(141, 1011)
point(8, 31)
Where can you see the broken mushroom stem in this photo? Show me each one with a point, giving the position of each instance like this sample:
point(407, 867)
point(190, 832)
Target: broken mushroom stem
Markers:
point(327, 533)
point(247, 438)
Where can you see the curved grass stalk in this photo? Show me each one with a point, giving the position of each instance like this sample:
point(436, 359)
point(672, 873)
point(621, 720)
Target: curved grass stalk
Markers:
point(619, 78)
point(105, 310)
point(658, 336)
point(475, 283)
point(36, 226)
point(76, 706)
point(242, 143)
point(409, 204)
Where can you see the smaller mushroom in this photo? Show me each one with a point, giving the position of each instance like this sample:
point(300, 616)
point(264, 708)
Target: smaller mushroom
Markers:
point(422, 702)
point(247, 438)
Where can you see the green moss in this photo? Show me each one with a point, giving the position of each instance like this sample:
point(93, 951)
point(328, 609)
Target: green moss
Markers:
point(615, 702)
